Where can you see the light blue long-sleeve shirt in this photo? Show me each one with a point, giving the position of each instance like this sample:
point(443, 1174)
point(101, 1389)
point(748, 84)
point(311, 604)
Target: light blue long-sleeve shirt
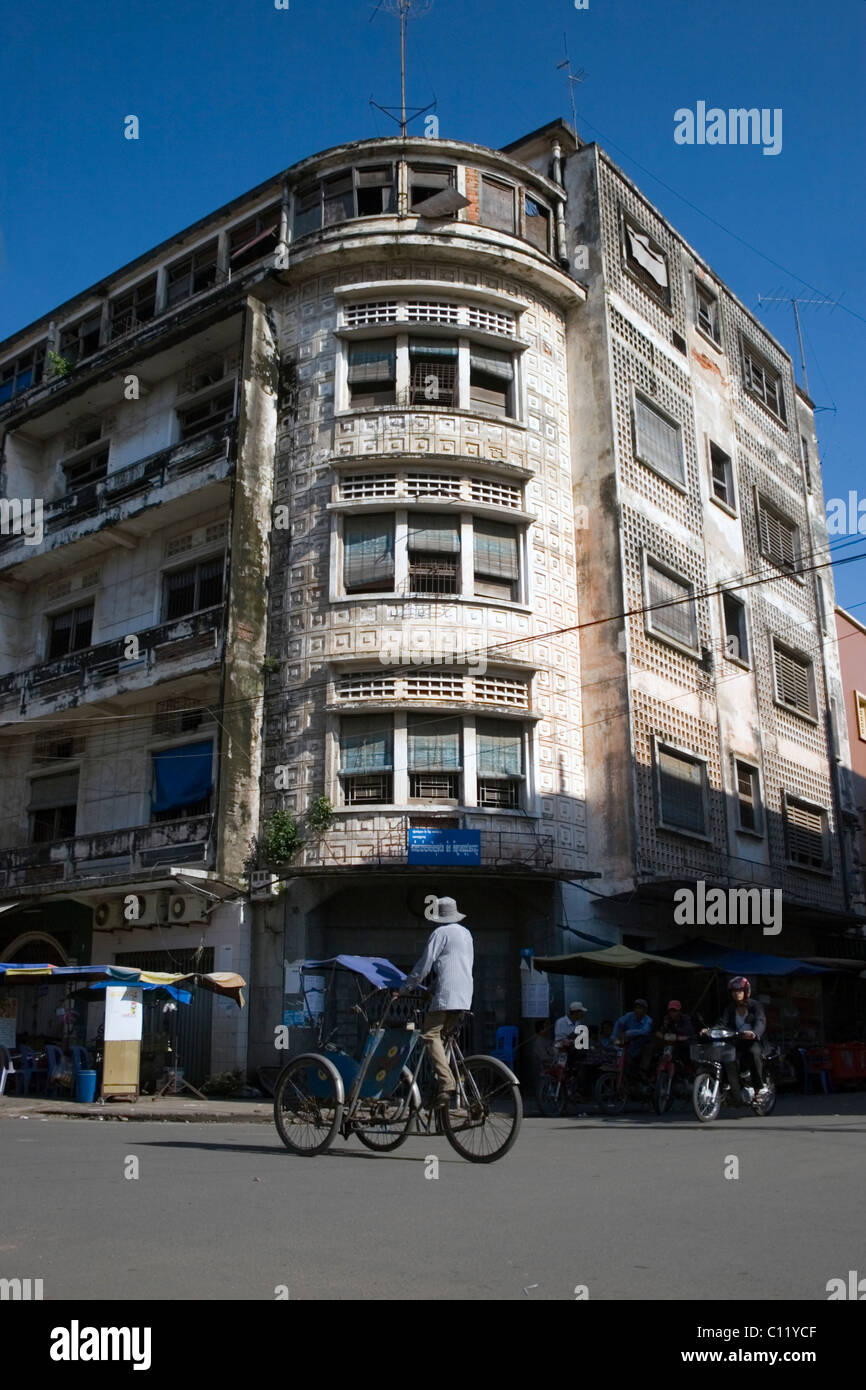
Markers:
point(449, 952)
point(636, 1030)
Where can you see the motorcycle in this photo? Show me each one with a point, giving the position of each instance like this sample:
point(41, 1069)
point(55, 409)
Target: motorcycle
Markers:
point(671, 1080)
point(712, 1089)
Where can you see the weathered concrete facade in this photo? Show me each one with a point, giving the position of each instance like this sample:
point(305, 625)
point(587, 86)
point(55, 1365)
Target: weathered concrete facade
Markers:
point(449, 486)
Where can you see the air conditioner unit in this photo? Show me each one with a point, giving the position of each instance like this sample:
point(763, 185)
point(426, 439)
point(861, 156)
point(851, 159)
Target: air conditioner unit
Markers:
point(108, 915)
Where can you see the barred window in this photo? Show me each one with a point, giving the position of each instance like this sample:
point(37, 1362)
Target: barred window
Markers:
point(193, 589)
point(70, 631)
point(132, 309)
point(794, 680)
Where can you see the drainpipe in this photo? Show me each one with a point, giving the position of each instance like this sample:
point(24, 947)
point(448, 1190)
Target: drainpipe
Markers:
point(561, 240)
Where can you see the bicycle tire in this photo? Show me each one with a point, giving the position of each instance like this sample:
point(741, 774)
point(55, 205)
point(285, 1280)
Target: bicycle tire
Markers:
point(387, 1136)
point(663, 1093)
point(607, 1094)
point(550, 1097)
point(482, 1084)
point(318, 1116)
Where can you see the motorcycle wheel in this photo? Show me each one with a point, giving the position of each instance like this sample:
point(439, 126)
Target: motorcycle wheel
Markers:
point(663, 1093)
point(550, 1097)
point(768, 1104)
point(607, 1094)
point(706, 1097)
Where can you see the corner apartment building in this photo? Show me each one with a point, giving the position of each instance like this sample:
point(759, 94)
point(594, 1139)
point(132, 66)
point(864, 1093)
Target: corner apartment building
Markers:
point(448, 484)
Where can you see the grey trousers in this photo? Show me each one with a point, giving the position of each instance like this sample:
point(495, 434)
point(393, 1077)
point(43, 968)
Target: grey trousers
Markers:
point(434, 1022)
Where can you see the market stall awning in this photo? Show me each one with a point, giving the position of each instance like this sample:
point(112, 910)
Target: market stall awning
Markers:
point(713, 955)
point(376, 969)
point(606, 961)
point(224, 982)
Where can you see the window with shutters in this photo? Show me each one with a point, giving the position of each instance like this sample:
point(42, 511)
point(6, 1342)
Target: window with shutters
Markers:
point(778, 537)
point(645, 261)
point(52, 810)
point(709, 318)
point(499, 763)
point(368, 553)
point(762, 381)
point(491, 377)
point(497, 204)
point(22, 371)
point(806, 835)
point(794, 680)
point(433, 374)
point(496, 559)
point(750, 815)
point(658, 442)
point(722, 477)
point(736, 628)
point(256, 237)
point(434, 554)
point(426, 181)
point(372, 372)
point(70, 631)
point(434, 758)
point(681, 783)
point(537, 223)
point(193, 589)
point(192, 275)
point(670, 606)
point(366, 759)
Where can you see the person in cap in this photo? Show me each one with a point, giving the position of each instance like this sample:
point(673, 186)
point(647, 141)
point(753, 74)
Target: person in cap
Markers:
point(634, 1028)
point(449, 956)
point(675, 1027)
point(745, 1017)
point(564, 1037)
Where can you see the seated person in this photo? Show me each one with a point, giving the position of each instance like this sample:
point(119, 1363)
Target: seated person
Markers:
point(746, 1017)
point(633, 1029)
point(675, 1027)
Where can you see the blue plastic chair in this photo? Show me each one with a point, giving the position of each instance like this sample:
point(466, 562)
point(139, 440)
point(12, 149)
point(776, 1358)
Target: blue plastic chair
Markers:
point(56, 1063)
point(506, 1044)
point(80, 1060)
point(815, 1065)
point(27, 1069)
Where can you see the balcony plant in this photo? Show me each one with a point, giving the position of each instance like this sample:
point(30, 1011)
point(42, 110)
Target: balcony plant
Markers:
point(60, 366)
point(320, 816)
point(282, 838)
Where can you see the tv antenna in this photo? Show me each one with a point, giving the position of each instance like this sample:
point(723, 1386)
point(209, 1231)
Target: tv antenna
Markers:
point(574, 79)
point(795, 301)
point(404, 9)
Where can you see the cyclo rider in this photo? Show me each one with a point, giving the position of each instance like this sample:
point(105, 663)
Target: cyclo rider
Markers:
point(633, 1029)
point(744, 1016)
point(676, 1028)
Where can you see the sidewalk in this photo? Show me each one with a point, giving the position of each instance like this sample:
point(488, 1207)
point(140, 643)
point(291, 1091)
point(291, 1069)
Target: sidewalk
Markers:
point(145, 1108)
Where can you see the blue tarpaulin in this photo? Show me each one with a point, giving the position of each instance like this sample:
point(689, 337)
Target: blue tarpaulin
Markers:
point(376, 969)
point(182, 996)
point(182, 776)
point(713, 955)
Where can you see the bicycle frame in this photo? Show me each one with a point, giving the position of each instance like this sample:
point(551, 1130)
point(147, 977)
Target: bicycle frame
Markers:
point(413, 1098)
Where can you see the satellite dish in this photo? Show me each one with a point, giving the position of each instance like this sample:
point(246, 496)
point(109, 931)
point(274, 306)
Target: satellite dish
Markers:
point(441, 204)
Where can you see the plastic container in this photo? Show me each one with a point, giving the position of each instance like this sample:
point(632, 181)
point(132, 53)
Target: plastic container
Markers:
point(85, 1090)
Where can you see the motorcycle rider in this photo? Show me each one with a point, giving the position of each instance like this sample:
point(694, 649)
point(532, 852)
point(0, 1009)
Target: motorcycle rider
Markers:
point(633, 1029)
point(744, 1016)
point(675, 1027)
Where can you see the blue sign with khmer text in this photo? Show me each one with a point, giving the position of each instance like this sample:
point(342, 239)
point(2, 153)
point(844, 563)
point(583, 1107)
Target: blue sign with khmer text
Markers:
point(460, 848)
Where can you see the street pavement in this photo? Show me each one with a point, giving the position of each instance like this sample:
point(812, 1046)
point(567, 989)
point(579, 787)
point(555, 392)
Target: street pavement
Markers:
point(630, 1207)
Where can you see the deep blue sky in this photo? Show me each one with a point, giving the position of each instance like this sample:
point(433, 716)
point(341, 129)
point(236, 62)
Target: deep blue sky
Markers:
point(228, 92)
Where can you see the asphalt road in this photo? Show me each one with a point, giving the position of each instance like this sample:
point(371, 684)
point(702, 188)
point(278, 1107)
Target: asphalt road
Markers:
point(632, 1208)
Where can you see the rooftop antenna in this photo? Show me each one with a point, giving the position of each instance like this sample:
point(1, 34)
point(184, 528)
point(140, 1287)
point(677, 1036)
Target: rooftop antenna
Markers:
point(573, 78)
point(405, 9)
point(795, 301)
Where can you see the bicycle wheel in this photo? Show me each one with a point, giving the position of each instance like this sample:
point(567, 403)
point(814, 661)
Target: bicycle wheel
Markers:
point(663, 1093)
point(308, 1104)
point(388, 1128)
point(488, 1110)
point(550, 1096)
point(608, 1095)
